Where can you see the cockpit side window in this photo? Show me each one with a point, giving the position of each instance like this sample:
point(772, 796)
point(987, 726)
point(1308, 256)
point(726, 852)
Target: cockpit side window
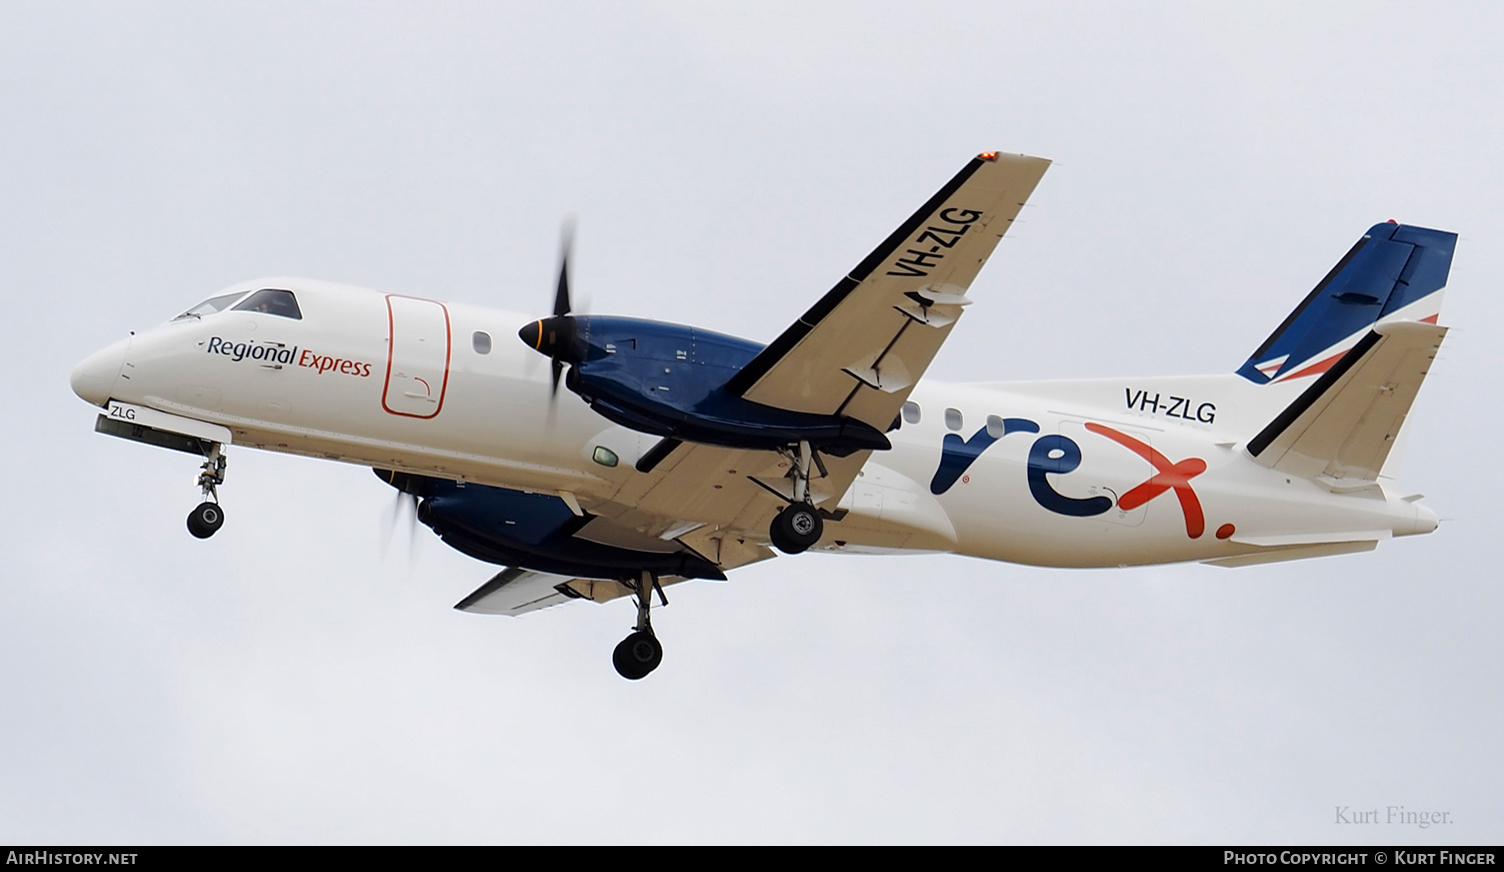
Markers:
point(272, 302)
point(212, 305)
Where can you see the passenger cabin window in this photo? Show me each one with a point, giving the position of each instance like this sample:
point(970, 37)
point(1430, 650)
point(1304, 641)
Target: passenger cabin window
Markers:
point(481, 342)
point(995, 427)
point(273, 302)
point(953, 419)
point(211, 305)
point(911, 412)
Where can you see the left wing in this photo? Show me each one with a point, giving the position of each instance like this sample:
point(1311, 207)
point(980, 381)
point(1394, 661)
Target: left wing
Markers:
point(860, 349)
point(515, 591)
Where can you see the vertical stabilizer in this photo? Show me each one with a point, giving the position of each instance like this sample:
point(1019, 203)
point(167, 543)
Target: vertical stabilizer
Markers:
point(1395, 271)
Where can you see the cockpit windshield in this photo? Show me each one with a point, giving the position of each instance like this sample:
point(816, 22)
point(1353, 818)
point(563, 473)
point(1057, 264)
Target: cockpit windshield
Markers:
point(272, 302)
point(211, 305)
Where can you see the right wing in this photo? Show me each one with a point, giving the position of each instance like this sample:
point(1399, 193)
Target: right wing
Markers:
point(860, 349)
point(857, 352)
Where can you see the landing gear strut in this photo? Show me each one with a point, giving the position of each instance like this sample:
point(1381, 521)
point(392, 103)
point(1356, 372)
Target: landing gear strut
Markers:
point(207, 517)
point(640, 653)
point(799, 525)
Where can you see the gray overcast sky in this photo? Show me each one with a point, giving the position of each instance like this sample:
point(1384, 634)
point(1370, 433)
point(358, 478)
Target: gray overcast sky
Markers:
point(295, 680)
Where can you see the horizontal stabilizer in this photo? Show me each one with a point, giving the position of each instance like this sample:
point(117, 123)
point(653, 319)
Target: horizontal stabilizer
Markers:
point(1296, 552)
point(1340, 430)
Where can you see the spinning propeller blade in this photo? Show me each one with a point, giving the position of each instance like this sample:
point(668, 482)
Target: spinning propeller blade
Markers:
point(562, 305)
point(554, 336)
point(404, 504)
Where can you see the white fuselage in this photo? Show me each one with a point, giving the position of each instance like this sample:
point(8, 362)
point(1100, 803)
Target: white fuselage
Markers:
point(447, 390)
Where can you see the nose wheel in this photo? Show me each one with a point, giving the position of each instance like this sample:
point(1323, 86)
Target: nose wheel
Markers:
point(641, 652)
point(637, 655)
point(208, 517)
point(204, 520)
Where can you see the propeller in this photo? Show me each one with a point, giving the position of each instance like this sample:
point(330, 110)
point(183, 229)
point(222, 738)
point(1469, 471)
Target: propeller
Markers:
point(554, 336)
point(562, 304)
point(404, 505)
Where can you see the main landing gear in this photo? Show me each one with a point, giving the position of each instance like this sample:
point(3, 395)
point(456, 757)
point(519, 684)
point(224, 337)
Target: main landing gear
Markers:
point(796, 528)
point(640, 653)
point(798, 525)
point(207, 517)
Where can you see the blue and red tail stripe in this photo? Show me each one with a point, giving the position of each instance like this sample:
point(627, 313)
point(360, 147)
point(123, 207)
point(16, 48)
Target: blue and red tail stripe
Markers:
point(1394, 267)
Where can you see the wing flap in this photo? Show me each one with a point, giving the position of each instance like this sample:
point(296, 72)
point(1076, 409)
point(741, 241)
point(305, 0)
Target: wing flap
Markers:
point(1341, 429)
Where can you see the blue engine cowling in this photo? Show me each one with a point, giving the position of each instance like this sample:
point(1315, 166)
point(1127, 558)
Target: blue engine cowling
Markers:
point(531, 531)
point(670, 380)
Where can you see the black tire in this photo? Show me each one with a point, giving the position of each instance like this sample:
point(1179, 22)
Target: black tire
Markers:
point(796, 528)
point(637, 655)
point(204, 520)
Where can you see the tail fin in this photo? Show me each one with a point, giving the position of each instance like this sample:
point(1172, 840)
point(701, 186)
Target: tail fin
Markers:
point(1395, 270)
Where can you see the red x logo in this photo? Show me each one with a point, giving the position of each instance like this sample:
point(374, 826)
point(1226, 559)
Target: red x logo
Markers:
point(1167, 476)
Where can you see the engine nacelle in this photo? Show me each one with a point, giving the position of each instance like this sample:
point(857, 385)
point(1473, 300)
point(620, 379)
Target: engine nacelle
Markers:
point(532, 531)
point(670, 380)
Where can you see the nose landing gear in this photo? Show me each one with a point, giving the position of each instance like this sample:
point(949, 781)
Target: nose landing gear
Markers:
point(207, 517)
point(637, 655)
point(641, 652)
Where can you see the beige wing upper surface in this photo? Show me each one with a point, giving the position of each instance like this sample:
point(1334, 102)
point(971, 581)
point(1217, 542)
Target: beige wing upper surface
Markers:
point(860, 349)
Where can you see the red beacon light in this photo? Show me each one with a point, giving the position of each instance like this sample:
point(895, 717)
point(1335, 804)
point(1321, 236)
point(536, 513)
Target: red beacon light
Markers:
point(988, 155)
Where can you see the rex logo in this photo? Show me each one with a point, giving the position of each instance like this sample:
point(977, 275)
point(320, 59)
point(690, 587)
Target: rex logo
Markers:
point(1056, 454)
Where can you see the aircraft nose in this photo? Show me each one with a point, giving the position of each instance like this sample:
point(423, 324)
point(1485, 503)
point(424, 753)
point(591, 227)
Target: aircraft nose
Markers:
point(94, 377)
point(552, 336)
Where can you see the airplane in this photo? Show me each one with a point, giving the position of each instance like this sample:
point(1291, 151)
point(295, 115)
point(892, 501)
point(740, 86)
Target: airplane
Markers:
point(679, 453)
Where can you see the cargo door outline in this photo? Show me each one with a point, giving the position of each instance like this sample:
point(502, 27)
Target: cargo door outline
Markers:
point(1102, 473)
point(417, 357)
